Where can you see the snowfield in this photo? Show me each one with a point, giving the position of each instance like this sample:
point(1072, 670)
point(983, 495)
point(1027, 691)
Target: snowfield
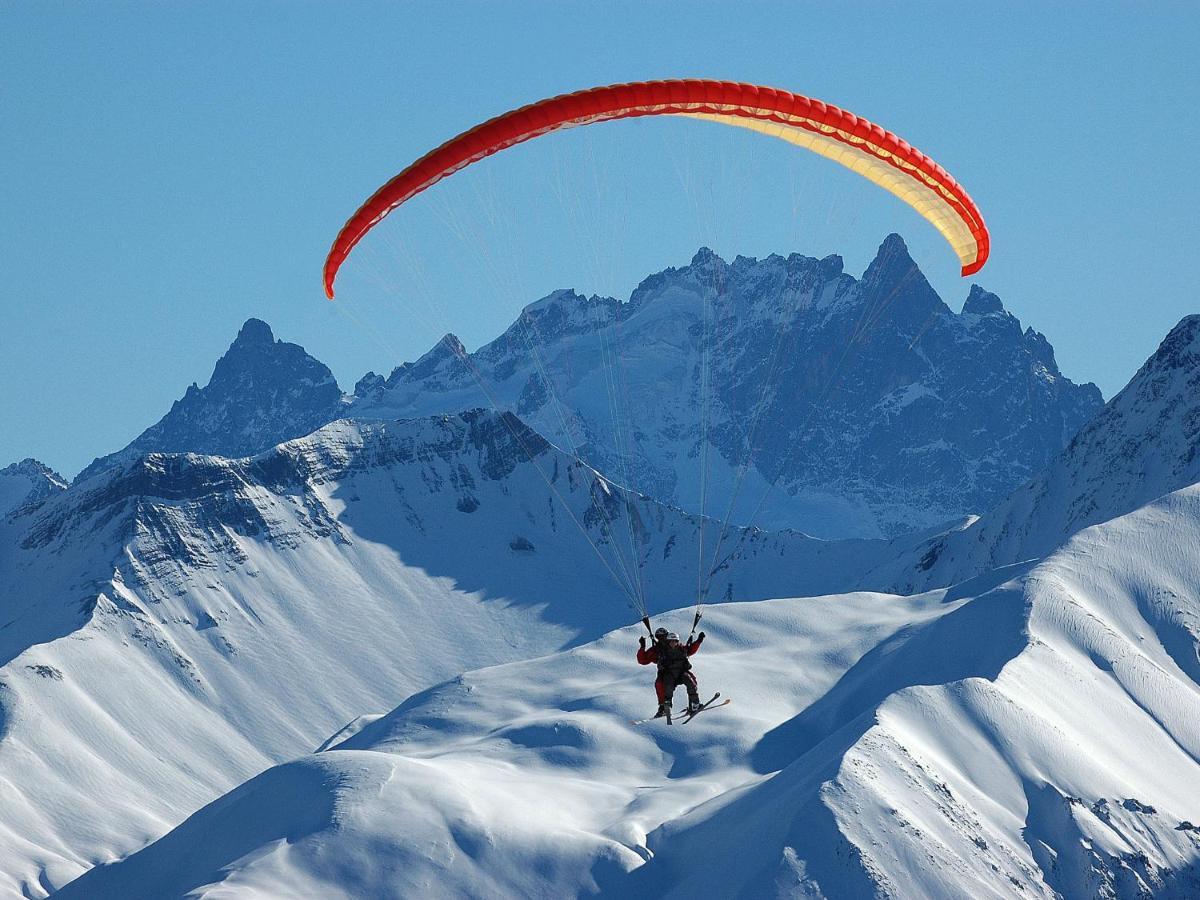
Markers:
point(177, 625)
point(1032, 732)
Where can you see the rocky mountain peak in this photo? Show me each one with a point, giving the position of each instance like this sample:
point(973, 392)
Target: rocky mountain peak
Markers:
point(982, 303)
point(880, 408)
point(33, 468)
point(831, 266)
point(894, 286)
point(262, 392)
point(255, 332)
point(1179, 351)
point(892, 261)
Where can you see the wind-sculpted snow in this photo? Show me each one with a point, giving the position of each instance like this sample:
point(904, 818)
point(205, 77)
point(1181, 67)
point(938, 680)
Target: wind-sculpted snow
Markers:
point(872, 407)
point(1031, 734)
point(177, 624)
point(174, 625)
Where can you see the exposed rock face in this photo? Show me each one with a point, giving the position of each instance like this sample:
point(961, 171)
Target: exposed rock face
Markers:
point(1143, 444)
point(782, 391)
point(262, 392)
point(869, 404)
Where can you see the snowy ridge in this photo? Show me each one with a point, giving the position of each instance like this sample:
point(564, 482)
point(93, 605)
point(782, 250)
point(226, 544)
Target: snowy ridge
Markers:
point(1029, 734)
point(174, 625)
point(882, 410)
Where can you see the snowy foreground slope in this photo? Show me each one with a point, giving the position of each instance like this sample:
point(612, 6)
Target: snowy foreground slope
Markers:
point(176, 625)
point(1033, 732)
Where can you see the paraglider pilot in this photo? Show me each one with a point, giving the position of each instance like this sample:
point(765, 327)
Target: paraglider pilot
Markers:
point(674, 667)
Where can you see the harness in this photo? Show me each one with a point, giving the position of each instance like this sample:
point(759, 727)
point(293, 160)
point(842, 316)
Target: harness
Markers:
point(673, 660)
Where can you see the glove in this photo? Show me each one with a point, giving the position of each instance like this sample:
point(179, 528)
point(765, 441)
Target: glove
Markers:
point(642, 643)
point(702, 635)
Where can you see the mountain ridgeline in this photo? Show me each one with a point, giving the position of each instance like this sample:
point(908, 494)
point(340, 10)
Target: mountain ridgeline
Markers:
point(781, 390)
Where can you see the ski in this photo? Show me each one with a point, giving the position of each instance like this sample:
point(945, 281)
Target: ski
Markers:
point(711, 704)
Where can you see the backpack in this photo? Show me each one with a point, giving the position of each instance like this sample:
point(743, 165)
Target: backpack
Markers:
point(673, 660)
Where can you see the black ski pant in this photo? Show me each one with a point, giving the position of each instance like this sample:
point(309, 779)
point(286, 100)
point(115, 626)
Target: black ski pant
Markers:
point(668, 681)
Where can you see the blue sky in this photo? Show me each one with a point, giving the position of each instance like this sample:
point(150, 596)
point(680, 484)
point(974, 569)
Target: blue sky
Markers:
point(169, 170)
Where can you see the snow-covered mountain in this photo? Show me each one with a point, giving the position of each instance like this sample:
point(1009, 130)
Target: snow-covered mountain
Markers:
point(27, 481)
point(262, 392)
point(178, 624)
point(174, 625)
point(871, 405)
point(781, 391)
point(1143, 444)
point(1031, 734)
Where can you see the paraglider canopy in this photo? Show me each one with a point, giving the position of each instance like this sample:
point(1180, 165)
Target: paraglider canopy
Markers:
point(834, 133)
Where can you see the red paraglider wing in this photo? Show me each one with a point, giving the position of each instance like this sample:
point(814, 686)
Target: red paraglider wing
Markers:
point(853, 142)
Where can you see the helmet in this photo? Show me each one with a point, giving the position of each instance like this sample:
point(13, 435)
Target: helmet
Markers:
point(672, 636)
point(661, 634)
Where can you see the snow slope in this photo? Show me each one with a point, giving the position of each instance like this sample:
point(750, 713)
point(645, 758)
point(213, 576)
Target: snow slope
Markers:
point(173, 626)
point(1031, 733)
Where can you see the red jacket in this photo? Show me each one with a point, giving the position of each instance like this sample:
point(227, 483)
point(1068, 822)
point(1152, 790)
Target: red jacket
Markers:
point(645, 656)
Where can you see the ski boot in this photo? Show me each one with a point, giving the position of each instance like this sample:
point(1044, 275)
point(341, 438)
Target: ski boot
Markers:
point(693, 706)
point(664, 709)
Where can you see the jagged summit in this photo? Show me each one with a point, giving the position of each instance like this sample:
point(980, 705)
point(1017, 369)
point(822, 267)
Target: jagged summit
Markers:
point(1179, 352)
point(831, 266)
point(262, 391)
point(893, 243)
point(33, 467)
point(882, 409)
point(254, 331)
point(982, 303)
